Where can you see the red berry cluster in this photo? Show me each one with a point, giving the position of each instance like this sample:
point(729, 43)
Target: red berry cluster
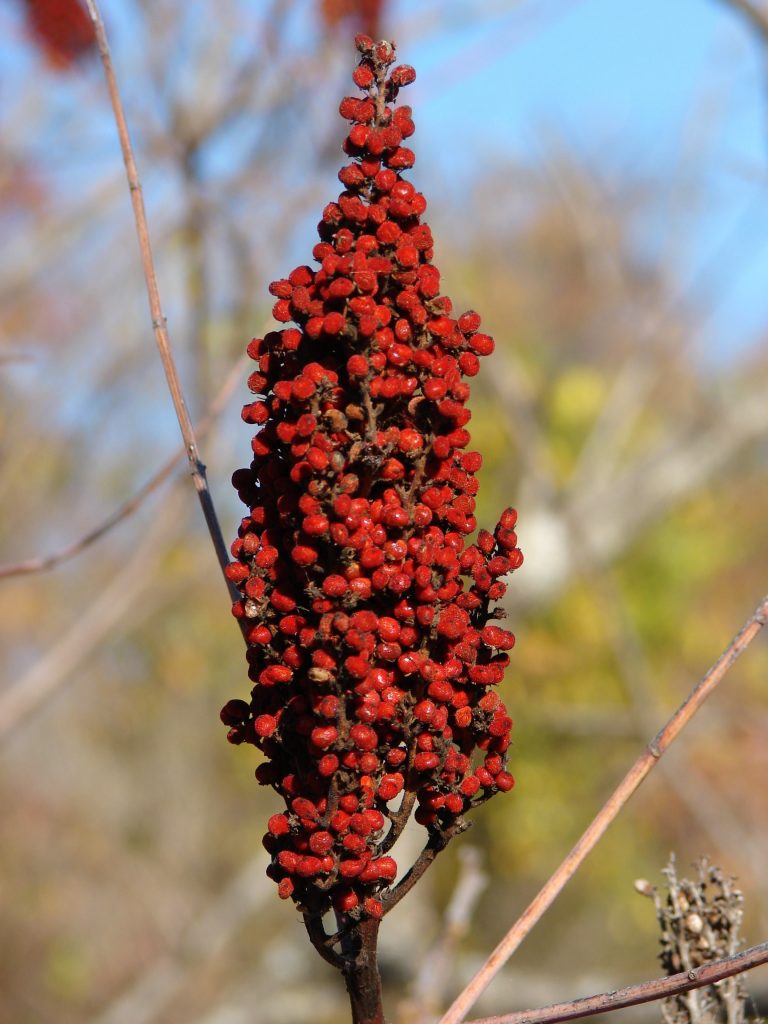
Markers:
point(62, 29)
point(367, 613)
point(366, 14)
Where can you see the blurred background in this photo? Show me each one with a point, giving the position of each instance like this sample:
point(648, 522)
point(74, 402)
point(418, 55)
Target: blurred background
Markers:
point(596, 174)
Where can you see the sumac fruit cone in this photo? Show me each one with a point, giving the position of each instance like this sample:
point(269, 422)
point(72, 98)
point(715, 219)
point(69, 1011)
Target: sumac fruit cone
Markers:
point(370, 617)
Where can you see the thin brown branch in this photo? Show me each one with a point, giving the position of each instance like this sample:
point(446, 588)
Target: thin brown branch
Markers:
point(319, 940)
point(36, 687)
point(124, 511)
point(436, 843)
point(7, 358)
point(201, 939)
point(595, 830)
point(755, 15)
point(399, 819)
point(196, 466)
point(121, 513)
point(438, 965)
point(716, 816)
point(411, 877)
point(645, 992)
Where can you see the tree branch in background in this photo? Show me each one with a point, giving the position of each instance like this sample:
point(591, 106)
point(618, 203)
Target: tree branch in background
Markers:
point(597, 828)
point(755, 15)
point(204, 937)
point(30, 692)
point(197, 468)
point(716, 816)
point(124, 511)
point(674, 469)
point(438, 965)
point(646, 992)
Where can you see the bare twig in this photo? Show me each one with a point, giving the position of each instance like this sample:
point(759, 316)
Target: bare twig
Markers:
point(108, 608)
point(715, 816)
point(646, 992)
point(169, 972)
point(430, 982)
point(399, 819)
point(436, 843)
point(197, 468)
point(595, 830)
point(755, 15)
point(7, 358)
point(319, 939)
point(124, 511)
point(675, 468)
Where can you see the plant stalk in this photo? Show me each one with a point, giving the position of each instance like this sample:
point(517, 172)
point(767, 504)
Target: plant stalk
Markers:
point(361, 974)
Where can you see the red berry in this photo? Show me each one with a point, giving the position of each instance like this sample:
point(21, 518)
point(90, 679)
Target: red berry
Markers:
point(402, 75)
point(390, 786)
point(285, 888)
point(345, 900)
point(363, 737)
point(324, 736)
point(362, 76)
point(464, 717)
point(315, 525)
point(265, 725)
point(321, 842)
point(373, 908)
point(278, 825)
point(334, 323)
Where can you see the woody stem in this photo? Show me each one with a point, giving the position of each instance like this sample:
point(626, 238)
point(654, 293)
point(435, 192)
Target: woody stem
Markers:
point(361, 973)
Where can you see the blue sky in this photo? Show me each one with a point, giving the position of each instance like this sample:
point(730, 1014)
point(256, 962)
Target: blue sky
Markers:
point(631, 87)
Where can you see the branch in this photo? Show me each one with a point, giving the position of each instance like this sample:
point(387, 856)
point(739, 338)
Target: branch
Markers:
point(439, 963)
point(399, 820)
point(595, 830)
point(715, 816)
point(169, 972)
point(319, 939)
point(411, 877)
point(435, 844)
point(124, 511)
point(679, 464)
point(756, 16)
point(110, 606)
point(196, 466)
point(645, 992)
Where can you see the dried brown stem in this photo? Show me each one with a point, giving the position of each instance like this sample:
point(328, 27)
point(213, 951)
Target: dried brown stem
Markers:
point(436, 843)
point(595, 830)
point(645, 992)
point(357, 962)
point(37, 686)
point(438, 965)
point(361, 974)
point(399, 820)
point(320, 940)
point(196, 465)
point(124, 511)
point(198, 941)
